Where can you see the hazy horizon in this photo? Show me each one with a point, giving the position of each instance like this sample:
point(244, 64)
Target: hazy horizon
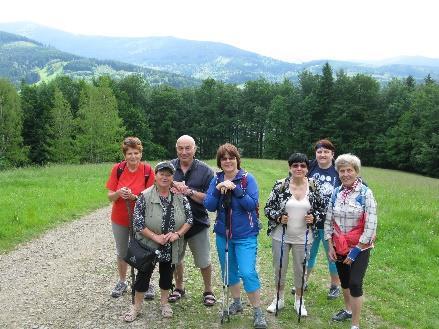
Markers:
point(292, 31)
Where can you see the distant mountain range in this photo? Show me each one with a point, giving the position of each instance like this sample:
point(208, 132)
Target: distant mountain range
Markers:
point(203, 59)
point(23, 59)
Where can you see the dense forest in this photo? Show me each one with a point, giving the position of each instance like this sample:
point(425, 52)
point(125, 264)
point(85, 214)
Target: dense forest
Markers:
point(70, 121)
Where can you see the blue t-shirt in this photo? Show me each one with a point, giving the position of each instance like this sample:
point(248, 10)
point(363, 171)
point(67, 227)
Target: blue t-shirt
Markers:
point(198, 178)
point(328, 179)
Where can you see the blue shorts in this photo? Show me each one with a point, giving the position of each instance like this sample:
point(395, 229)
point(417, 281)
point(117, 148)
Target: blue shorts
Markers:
point(242, 261)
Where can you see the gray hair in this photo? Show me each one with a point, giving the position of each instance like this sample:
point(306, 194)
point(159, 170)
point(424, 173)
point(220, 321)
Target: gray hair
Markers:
point(348, 159)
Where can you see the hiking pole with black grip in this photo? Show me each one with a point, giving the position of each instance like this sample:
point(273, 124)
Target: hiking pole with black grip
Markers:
point(227, 204)
point(131, 230)
point(284, 226)
point(303, 271)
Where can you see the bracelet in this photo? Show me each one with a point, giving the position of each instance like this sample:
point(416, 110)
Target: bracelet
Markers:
point(192, 192)
point(179, 236)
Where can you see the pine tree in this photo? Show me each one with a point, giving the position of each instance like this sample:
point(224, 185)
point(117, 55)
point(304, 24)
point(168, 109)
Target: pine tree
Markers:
point(61, 146)
point(11, 142)
point(100, 129)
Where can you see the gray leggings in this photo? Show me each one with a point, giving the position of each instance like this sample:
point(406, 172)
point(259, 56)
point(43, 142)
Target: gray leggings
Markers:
point(297, 251)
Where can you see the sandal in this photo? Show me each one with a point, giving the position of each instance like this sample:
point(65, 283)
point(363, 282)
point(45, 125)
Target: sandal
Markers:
point(176, 295)
point(166, 310)
point(209, 298)
point(132, 314)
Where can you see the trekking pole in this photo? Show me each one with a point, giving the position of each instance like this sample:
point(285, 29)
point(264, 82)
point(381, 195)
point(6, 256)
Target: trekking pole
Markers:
point(280, 267)
point(225, 316)
point(303, 271)
point(131, 230)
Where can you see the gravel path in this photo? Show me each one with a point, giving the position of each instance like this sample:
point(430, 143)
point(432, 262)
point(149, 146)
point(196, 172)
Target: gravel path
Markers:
point(64, 278)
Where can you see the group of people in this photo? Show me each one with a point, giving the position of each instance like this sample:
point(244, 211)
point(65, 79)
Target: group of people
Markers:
point(320, 201)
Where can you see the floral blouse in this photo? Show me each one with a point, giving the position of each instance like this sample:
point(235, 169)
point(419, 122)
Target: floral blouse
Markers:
point(139, 221)
point(281, 193)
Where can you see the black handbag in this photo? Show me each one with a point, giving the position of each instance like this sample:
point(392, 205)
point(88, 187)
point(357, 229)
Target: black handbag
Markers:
point(140, 256)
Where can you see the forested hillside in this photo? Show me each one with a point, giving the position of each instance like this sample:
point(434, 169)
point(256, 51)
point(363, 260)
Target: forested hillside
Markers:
point(23, 59)
point(206, 59)
point(67, 120)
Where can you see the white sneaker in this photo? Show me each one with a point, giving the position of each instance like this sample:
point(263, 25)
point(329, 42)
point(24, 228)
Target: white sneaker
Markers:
point(303, 309)
point(272, 307)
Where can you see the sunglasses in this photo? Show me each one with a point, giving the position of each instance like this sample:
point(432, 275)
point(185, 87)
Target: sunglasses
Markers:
point(297, 165)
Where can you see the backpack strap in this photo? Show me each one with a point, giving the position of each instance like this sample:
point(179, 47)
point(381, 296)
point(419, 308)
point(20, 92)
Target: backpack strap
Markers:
point(361, 198)
point(146, 172)
point(121, 168)
point(244, 181)
point(244, 184)
point(334, 195)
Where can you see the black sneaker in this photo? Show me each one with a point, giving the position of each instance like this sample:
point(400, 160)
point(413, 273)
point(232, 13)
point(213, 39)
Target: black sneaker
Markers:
point(334, 292)
point(342, 315)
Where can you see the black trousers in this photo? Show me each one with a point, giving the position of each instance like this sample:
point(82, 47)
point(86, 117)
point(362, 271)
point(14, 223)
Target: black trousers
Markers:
point(351, 276)
point(166, 271)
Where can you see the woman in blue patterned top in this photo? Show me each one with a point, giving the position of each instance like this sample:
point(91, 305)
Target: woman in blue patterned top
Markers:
point(322, 169)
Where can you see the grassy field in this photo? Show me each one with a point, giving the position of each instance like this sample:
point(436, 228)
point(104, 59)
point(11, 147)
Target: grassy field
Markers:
point(401, 285)
point(34, 199)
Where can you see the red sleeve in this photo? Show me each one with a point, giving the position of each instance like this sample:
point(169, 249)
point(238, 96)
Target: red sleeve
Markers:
point(112, 180)
point(151, 177)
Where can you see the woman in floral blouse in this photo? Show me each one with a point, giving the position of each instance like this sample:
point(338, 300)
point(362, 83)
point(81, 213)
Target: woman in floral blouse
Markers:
point(160, 221)
point(295, 202)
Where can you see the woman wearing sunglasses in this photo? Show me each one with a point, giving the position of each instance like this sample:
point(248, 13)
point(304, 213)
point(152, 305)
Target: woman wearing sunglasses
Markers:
point(234, 195)
point(294, 203)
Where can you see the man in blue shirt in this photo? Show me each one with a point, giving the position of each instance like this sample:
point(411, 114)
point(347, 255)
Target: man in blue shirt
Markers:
point(192, 178)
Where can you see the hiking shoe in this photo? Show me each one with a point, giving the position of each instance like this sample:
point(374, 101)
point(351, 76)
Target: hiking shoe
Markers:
point(259, 320)
point(293, 291)
point(342, 315)
point(235, 307)
point(334, 292)
point(119, 289)
point(303, 311)
point(150, 293)
point(272, 307)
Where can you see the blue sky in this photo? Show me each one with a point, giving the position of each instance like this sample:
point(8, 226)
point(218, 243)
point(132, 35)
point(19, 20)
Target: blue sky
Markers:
point(289, 30)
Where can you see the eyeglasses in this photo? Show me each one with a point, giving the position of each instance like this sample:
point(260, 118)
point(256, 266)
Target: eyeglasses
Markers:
point(297, 165)
point(228, 158)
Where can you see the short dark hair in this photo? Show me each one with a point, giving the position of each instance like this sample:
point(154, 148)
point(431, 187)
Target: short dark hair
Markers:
point(325, 143)
point(298, 158)
point(229, 149)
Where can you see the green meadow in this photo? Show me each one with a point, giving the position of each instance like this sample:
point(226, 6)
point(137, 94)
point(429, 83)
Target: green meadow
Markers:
point(401, 284)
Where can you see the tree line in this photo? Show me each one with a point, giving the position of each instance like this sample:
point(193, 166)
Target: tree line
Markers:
point(74, 121)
